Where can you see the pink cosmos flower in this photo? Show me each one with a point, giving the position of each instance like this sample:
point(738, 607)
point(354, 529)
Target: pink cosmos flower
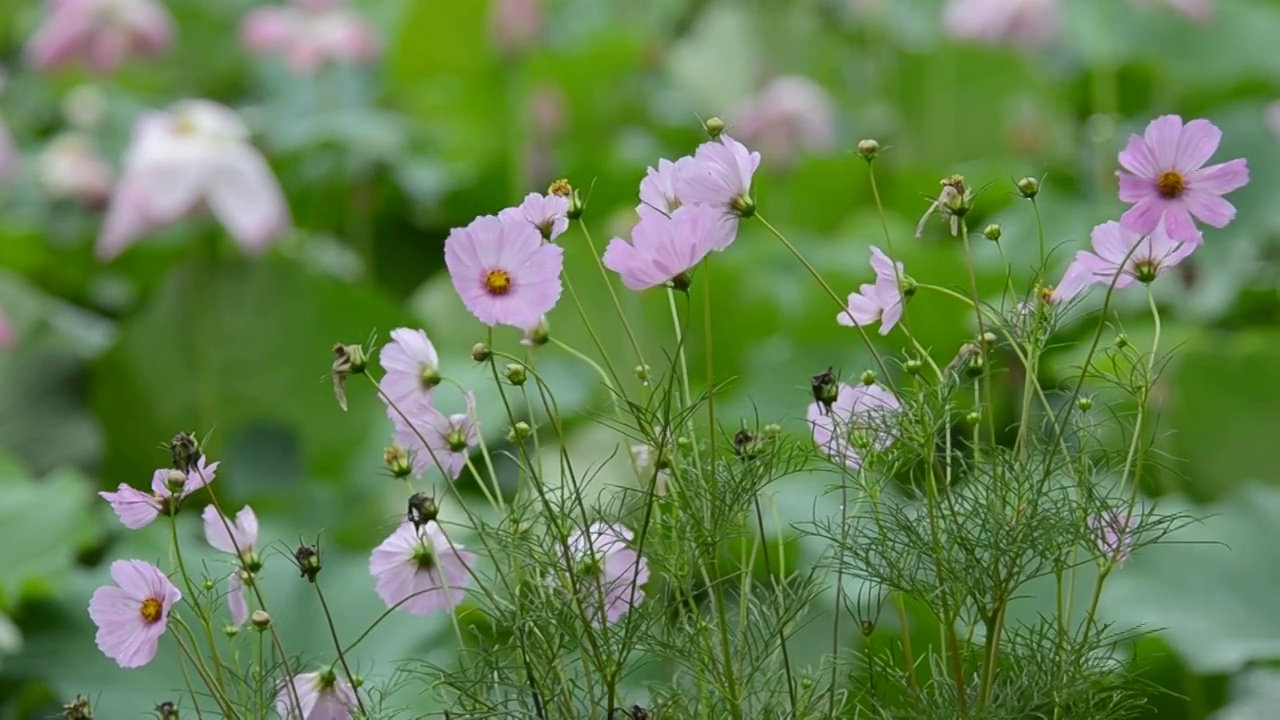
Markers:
point(132, 614)
point(548, 213)
point(309, 35)
point(790, 115)
point(236, 603)
point(720, 176)
point(858, 421)
point(101, 32)
point(412, 369)
point(448, 438)
point(503, 271)
point(514, 25)
point(662, 250)
point(608, 571)
point(195, 155)
point(320, 696)
point(881, 302)
point(1113, 533)
point(1026, 23)
point(420, 570)
point(137, 509)
point(71, 167)
point(236, 538)
point(7, 337)
point(659, 195)
point(1120, 256)
point(1167, 178)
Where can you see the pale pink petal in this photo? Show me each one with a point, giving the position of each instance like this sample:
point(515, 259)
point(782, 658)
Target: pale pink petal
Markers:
point(1144, 216)
point(1208, 208)
point(1196, 144)
point(245, 197)
point(1137, 158)
point(237, 605)
point(136, 509)
point(1220, 179)
point(1162, 139)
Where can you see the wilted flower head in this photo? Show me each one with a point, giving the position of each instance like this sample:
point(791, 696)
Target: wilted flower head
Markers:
point(308, 35)
point(1120, 256)
point(659, 190)
point(952, 203)
point(132, 614)
point(1027, 23)
point(1166, 178)
point(548, 213)
point(71, 167)
point(102, 33)
point(882, 301)
point(662, 250)
point(137, 509)
point(1113, 533)
point(319, 696)
point(789, 115)
point(856, 423)
point(606, 568)
point(503, 271)
point(514, 25)
point(420, 570)
point(431, 437)
point(412, 369)
point(197, 154)
point(720, 176)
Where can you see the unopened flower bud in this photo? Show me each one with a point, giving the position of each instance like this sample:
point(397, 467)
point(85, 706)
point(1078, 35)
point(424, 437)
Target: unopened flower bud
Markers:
point(176, 479)
point(561, 188)
point(868, 149)
point(1028, 187)
point(868, 377)
point(514, 373)
point(1084, 403)
point(167, 711)
point(642, 373)
point(308, 559)
point(208, 584)
point(714, 127)
point(974, 368)
point(577, 206)
point(538, 335)
point(78, 709)
point(422, 509)
point(826, 388)
point(988, 338)
point(185, 451)
point(972, 419)
point(747, 445)
point(1122, 341)
point(993, 232)
point(772, 430)
point(230, 630)
point(867, 627)
point(357, 682)
point(260, 619)
point(480, 352)
point(396, 460)
point(684, 443)
point(914, 367)
point(519, 432)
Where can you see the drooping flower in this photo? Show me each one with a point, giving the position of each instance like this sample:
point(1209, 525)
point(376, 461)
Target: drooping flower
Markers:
point(720, 176)
point(1166, 178)
point(1025, 23)
point(132, 614)
point(1113, 533)
point(238, 537)
point(137, 509)
point(662, 250)
point(790, 115)
point(431, 437)
point(608, 572)
point(412, 369)
point(319, 695)
point(197, 154)
point(1121, 256)
point(420, 570)
point(103, 33)
point(858, 422)
point(236, 603)
point(503, 271)
point(71, 167)
point(882, 301)
point(548, 213)
point(309, 35)
point(659, 190)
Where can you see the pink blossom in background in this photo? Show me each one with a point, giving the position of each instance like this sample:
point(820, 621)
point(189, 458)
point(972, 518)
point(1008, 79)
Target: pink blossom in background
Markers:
point(882, 301)
point(101, 33)
point(10, 156)
point(720, 176)
point(137, 509)
point(789, 116)
point(319, 696)
point(515, 25)
point(411, 368)
point(503, 271)
point(662, 249)
point(608, 570)
point(1273, 117)
point(421, 570)
point(1164, 176)
point(659, 189)
point(193, 156)
point(857, 421)
point(1122, 256)
point(132, 614)
point(433, 438)
point(235, 537)
point(309, 35)
point(1026, 23)
point(1113, 533)
point(549, 214)
point(72, 168)
point(1075, 279)
point(237, 605)
point(7, 336)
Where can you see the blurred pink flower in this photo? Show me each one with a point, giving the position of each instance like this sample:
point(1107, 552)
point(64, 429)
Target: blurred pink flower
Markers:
point(659, 189)
point(607, 571)
point(662, 250)
point(420, 570)
point(236, 603)
point(137, 509)
point(1113, 533)
point(197, 154)
point(1197, 10)
point(548, 213)
point(1121, 256)
point(71, 167)
point(311, 34)
point(881, 302)
point(319, 696)
point(1273, 117)
point(433, 438)
point(720, 176)
point(1166, 178)
point(1027, 23)
point(236, 538)
point(103, 33)
point(790, 115)
point(412, 370)
point(10, 156)
point(858, 422)
point(515, 25)
point(503, 271)
point(132, 614)
point(7, 336)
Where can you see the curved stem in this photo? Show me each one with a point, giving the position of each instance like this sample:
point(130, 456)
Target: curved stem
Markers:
point(337, 645)
point(613, 294)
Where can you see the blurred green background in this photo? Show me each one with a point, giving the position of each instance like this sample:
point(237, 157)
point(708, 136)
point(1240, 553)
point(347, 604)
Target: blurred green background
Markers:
point(379, 162)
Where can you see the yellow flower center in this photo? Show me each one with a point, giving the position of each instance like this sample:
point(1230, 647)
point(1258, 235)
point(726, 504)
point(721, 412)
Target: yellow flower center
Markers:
point(151, 609)
point(497, 282)
point(1170, 184)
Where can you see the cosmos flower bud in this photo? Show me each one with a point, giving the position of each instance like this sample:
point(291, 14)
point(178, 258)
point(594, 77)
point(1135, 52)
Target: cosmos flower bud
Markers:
point(185, 451)
point(176, 480)
point(684, 443)
point(167, 711)
point(868, 377)
point(913, 367)
point(538, 335)
point(422, 509)
point(993, 232)
point(642, 373)
point(208, 584)
point(260, 619)
point(955, 196)
point(975, 366)
point(519, 432)
point(714, 127)
point(772, 430)
point(348, 360)
point(1084, 403)
point(514, 373)
point(988, 338)
point(78, 709)
point(357, 682)
point(1028, 187)
point(867, 628)
point(868, 149)
point(826, 388)
point(308, 560)
point(1122, 341)
point(972, 419)
point(396, 459)
point(480, 352)
point(576, 205)
point(231, 630)
point(561, 188)
point(747, 445)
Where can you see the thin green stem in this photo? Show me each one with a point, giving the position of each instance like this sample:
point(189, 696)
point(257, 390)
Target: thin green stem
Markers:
point(613, 294)
point(337, 645)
